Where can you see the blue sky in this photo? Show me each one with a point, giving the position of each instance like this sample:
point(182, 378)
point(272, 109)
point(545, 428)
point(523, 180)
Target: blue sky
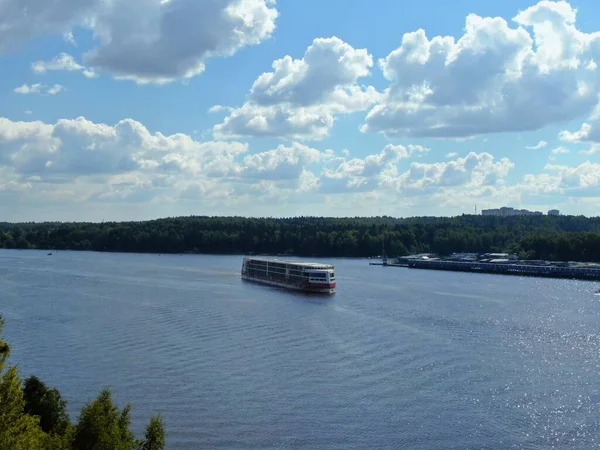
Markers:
point(150, 108)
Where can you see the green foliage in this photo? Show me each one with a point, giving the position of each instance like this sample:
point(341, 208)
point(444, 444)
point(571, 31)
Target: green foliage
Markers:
point(18, 431)
point(47, 404)
point(4, 347)
point(154, 439)
point(102, 426)
point(548, 237)
point(34, 417)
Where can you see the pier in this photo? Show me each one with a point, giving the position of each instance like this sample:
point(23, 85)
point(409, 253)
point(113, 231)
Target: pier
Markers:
point(520, 268)
point(496, 263)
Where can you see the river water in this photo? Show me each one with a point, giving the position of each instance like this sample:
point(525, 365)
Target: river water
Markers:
point(397, 358)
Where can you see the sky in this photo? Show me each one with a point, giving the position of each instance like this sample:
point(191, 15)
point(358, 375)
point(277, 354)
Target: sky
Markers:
point(139, 109)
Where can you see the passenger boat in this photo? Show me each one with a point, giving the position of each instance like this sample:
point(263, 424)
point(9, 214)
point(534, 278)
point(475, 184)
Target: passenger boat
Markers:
point(296, 275)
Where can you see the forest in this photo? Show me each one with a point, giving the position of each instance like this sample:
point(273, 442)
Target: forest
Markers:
point(34, 417)
point(531, 237)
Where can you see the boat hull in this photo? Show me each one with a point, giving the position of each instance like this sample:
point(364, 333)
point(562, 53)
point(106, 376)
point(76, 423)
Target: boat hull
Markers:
point(310, 288)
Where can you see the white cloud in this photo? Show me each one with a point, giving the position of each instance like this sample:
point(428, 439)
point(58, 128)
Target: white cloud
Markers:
point(142, 40)
point(69, 38)
point(72, 148)
point(84, 166)
point(282, 163)
point(78, 161)
point(365, 174)
point(173, 40)
point(582, 180)
point(451, 155)
point(560, 150)
point(88, 73)
point(594, 148)
point(63, 61)
point(474, 171)
point(300, 97)
point(125, 162)
point(538, 146)
point(588, 132)
point(38, 88)
point(495, 78)
point(558, 185)
point(55, 89)
point(22, 20)
point(562, 185)
point(26, 89)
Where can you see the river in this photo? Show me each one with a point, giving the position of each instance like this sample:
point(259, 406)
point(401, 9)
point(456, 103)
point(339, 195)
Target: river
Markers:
point(397, 358)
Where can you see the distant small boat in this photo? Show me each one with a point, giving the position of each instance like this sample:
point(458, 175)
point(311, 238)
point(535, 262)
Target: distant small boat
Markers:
point(49, 254)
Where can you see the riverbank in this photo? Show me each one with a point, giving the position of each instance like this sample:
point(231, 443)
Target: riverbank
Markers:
point(551, 238)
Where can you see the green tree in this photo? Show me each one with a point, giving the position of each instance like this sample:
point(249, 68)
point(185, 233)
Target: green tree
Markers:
point(18, 431)
point(47, 404)
point(102, 426)
point(562, 237)
point(154, 439)
point(34, 417)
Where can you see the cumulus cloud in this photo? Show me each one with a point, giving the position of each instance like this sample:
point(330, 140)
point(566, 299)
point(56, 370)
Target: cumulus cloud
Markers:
point(124, 159)
point(588, 132)
point(142, 40)
point(582, 180)
point(53, 90)
point(63, 61)
point(125, 162)
point(300, 97)
point(538, 146)
point(174, 39)
point(26, 89)
point(476, 170)
point(79, 147)
point(282, 163)
point(22, 20)
point(494, 78)
point(560, 184)
point(38, 88)
point(76, 161)
point(594, 148)
point(368, 173)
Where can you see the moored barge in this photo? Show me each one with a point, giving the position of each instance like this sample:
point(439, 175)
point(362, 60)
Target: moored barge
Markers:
point(297, 275)
point(520, 269)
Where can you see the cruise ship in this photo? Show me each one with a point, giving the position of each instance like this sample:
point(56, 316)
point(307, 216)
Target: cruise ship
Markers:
point(296, 275)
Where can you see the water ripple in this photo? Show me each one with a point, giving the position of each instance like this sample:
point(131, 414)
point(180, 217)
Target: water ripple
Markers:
point(396, 359)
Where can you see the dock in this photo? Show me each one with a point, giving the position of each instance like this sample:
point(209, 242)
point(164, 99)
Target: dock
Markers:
point(519, 268)
point(499, 264)
point(388, 264)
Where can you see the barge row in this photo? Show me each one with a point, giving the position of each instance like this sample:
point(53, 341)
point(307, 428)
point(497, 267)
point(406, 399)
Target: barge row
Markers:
point(520, 269)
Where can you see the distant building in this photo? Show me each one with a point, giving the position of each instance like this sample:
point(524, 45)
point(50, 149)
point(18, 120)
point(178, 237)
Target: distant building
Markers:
point(554, 212)
point(508, 211)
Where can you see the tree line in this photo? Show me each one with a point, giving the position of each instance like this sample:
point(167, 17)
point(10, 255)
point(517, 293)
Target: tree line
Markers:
point(34, 417)
point(531, 237)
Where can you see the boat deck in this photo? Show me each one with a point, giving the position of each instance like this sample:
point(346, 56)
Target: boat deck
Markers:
point(307, 264)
